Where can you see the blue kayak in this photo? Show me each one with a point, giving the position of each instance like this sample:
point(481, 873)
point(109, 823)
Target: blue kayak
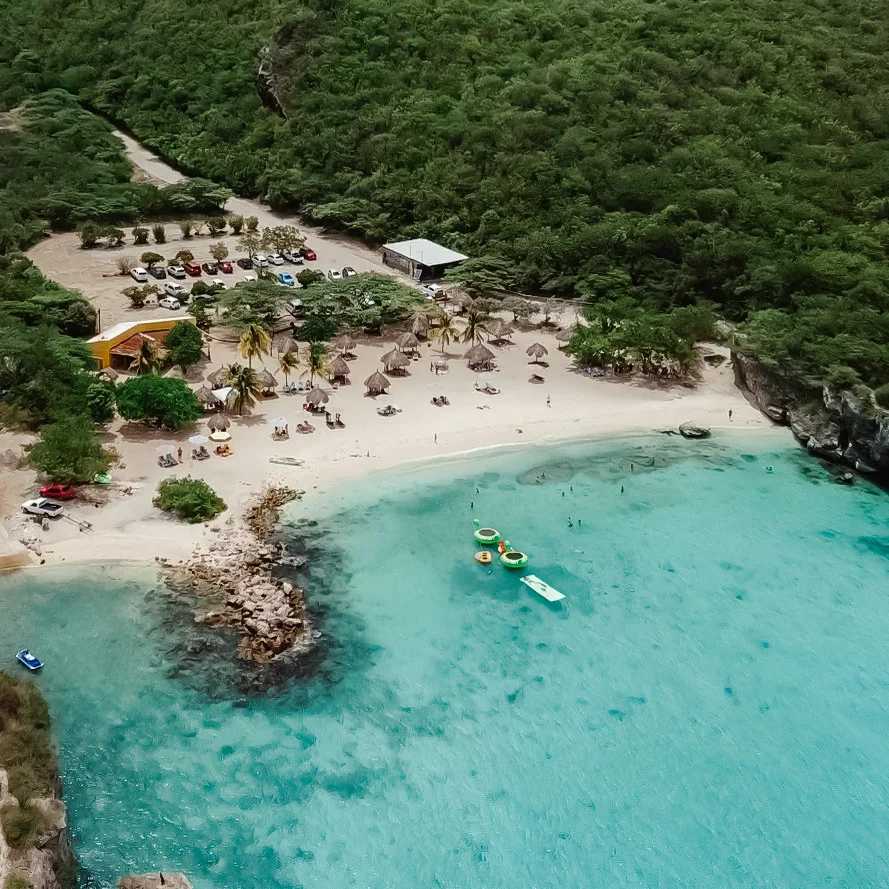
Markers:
point(29, 660)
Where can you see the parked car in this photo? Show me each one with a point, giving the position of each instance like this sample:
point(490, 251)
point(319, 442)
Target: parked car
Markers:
point(349, 272)
point(139, 275)
point(225, 266)
point(292, 256)
point(276, 259)
point(171, 288)
point(434, 291)
point(158, 271)
point(335, 274)
point(308, 253)
point(169, 302)
point(244, 263)
point(58, 492)
point(218, 284)
point(296, 307)
point(176, 271)
point(260, 261)
point(192, 268)
point(40, 506)
point(210, 268)
point(248, 277)
point(286, 279)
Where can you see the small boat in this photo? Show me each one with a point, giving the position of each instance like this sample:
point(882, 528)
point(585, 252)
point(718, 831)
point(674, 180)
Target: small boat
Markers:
point(487, 536)
point(484, 557)
point(287, 461)
point(29, 660)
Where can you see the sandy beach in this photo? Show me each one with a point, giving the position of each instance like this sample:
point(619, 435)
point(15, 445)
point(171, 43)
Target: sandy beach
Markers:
point(567, 405)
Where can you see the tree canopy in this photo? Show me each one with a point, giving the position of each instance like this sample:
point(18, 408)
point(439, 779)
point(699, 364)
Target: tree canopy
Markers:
point(160, 401)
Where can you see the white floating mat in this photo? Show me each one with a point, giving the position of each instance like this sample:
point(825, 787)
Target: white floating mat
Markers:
point(542, 588)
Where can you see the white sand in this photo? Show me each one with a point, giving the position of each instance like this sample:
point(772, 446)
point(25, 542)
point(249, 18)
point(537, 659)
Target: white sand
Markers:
point(128, 527)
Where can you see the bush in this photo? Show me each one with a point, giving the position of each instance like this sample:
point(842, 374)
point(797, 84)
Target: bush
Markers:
point(160, 233)
point(22, 825)
point(13, 882)
point(100, 402)
point(192, 500)
point(68, 451)
point(158, 400)
point(881, 396)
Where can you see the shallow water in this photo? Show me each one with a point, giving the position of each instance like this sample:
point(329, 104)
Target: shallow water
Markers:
point(708, 707)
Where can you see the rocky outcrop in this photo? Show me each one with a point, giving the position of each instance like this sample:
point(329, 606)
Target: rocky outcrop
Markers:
point(838, 426)
point(235, 569)
point(692, 430)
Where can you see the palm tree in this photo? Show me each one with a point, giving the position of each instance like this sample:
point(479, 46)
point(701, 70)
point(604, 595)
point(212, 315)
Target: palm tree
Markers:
point(445, 331)
point(246, 387)
point(146, 360)
point(476, 325)
point(255, 341)
point(288, 362)
point(315, 359)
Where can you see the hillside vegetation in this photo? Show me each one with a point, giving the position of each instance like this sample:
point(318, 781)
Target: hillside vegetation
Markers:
point(668, 153)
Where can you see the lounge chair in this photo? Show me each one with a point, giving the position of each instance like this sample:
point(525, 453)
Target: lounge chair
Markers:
point(305, 428)
point(339, 423)
point(300, 386)
point(331, 423)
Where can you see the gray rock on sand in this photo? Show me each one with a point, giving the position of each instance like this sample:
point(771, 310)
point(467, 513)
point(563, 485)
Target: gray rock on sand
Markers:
point(692, 430)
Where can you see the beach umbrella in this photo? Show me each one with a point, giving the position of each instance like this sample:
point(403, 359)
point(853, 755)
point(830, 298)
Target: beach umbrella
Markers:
point(564, 335)
point(220, 435)
point(205, 396)
point(219, 422)
point(279, 423)
point(317, 396)
point(109, 373)
point(420, 324)
point(267, 380)
point(218, 377)
point(198, 439)
point(536, 351)
point(407, 341)
point(479, 355)
point(338, 367)
point(376, 383)
point(462, 300)
point(343, 343)
point(167, 450)
point(175, 373)
point(284, 342)
point(397, 360)
point(494, 327)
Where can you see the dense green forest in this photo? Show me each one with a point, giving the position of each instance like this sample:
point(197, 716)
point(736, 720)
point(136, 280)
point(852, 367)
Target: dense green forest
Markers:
point(669, 153)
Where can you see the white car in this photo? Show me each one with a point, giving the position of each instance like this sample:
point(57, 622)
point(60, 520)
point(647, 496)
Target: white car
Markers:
point(139, 275)
point(349, 272)
point(260, 261)
point(42, 506)
point(292, 256)
point(335, 274)
point(434, 291)
point(249, 277)
point(219, 284)
point(276, 259)
point(171, 288)
point(175, 271)
point(169, 302)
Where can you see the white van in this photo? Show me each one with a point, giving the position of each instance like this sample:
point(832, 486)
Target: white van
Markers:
point(140, 275)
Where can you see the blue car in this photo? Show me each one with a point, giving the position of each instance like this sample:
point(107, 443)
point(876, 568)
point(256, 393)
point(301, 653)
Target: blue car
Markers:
point(286, 279)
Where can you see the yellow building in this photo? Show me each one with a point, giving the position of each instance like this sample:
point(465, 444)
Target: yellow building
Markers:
point(117, 346)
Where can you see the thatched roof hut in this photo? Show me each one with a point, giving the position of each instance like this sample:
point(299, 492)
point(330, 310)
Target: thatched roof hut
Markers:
point(317, 396)
point(343, 343)
point(408, 342)
point(218, 377)
point(376, 383)
point(220, 422)
point(284, 342)
point(536, 351)
point(175, 373)
point(479, 356)
point(420, 324)
point(563, 336)
point(395, 361)
point(338, 369)
point(269, 383)
point(206, 397)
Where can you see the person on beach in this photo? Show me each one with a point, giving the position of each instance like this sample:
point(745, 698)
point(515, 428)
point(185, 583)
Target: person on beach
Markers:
point(548, 400)
point(179, 452)
point(730, 414)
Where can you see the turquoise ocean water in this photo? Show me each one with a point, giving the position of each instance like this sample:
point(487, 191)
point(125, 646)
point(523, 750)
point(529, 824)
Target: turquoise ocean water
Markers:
point(708, 708)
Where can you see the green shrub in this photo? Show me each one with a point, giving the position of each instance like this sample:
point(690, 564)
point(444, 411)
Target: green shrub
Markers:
point(191, 499)
point(13, 882)
point(22, 825)
point(881, 395)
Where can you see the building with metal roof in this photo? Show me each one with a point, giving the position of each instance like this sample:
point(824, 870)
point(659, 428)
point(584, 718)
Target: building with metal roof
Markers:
point(423, 260)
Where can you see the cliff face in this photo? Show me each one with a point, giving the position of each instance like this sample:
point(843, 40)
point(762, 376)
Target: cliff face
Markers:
point(835, 425)
point(48, 862)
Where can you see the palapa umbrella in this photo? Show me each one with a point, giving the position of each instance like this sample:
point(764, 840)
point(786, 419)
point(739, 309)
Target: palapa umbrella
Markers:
point(495, 327)
point(338, 368)
point(564, 335)
point(479, 355)
point(536, 351)
point(206, 397)
point(284, 342)
point(343, 343)
point(421, 324)
point(175, 373)
point(397, 361)
point(220, 422)
point(376, 383)
point(317, 396)
point(220, 436)
point(407, 341)
point(218, 377)
point(267, 380)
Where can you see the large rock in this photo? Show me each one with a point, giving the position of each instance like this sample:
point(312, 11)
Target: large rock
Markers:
point(838, 426)
point(691, 430)
point(155, 881)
